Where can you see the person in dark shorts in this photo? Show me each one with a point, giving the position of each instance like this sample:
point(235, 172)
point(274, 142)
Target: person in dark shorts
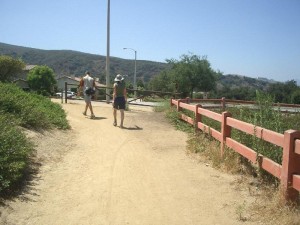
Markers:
point(119, 98)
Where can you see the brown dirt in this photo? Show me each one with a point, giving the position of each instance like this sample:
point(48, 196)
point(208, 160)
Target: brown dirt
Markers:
point(98, 174)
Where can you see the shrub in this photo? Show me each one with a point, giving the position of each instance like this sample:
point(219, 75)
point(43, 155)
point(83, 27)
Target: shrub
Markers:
point(14, 152)
point(19, 108)
point(31, 110)
point(173, 116)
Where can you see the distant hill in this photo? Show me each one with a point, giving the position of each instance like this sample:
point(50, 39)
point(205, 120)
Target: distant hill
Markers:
point(235, 81)
point(74, 63)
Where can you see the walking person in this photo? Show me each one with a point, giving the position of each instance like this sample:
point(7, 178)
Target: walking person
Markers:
point(87, 86)
point(119, 98)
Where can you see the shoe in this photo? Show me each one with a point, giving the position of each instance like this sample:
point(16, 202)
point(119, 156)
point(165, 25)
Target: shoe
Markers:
point(93, 116)
point(84, 113)
point(115, 123)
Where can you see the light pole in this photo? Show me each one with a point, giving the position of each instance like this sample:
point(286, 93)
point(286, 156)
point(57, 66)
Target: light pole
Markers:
point(108, 53)
point(134, 76)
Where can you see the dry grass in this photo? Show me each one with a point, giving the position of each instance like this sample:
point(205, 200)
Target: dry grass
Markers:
point(268, 207)
point(208, 149)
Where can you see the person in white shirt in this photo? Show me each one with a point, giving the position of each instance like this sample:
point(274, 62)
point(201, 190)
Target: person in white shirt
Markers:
point(87, 85)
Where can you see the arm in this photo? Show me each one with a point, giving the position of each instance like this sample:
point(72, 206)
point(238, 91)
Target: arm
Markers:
point(115, 92)
point(80, 87)
point(125, 94)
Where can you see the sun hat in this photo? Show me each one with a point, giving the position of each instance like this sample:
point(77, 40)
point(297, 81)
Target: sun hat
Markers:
point(119, 77)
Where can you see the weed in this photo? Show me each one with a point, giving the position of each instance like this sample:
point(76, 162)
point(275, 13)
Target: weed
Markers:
point(163, 106)
point(240, 210)
point(268, 207)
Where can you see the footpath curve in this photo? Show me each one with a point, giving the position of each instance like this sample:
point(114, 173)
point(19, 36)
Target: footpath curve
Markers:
point(98, 174)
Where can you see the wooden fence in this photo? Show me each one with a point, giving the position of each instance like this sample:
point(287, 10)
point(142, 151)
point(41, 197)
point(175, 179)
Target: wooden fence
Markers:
point(223, 103)
point(288, 171)
point(142, 93)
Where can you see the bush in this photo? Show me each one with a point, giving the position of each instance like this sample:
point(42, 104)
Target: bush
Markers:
point(18, 108)
point(31, 110)
point(14, 152)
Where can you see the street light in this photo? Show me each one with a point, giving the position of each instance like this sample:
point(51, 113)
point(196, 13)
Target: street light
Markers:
point(107, 91)
point(134, 76)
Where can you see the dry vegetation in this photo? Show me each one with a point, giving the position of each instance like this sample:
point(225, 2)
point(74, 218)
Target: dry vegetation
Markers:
point(268, 207)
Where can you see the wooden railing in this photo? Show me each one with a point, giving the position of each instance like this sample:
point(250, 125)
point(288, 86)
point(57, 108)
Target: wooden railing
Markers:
point(223, 103)
point(288, 171)
point(143, 93)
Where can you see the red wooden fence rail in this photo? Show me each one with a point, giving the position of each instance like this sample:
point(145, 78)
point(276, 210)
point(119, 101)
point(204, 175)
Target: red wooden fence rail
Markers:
point(288, 172)
point(223, 101)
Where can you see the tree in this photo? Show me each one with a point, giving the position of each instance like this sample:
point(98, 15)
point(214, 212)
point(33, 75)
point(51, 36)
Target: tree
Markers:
point(162, 82)
point(296, 97)
point(140, 83)
point(282, 92)
point(193, 72)
point(9, 67)
point(41, 79)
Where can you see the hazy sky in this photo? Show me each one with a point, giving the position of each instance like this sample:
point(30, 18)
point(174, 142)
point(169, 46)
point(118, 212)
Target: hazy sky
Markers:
point(255, 38)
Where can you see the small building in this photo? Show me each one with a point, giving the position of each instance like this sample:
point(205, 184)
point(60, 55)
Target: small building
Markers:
point(22, 84)
point(73, 82)
point(21, 78)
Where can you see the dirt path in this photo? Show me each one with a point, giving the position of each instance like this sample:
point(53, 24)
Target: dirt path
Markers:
point(99, 174)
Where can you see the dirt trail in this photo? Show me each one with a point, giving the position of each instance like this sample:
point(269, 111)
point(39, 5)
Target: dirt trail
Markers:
point(98, 174)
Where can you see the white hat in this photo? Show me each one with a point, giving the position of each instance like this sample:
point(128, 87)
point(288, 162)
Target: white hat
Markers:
point(119, 77)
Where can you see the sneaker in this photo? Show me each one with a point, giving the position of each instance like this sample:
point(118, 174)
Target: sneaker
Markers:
point(115, 123)
point(93, 116)
point(84, 113)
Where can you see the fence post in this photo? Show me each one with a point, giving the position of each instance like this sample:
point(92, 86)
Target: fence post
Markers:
point(178, 103)
point(66, 89)
point(188, 100)
point(225, 130)
point(62, 96)
point(223, 104)
point(198, 117)
point(290, 166)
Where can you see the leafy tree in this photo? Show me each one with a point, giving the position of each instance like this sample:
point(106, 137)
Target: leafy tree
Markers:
point(296, 97)
point(186, 75)
point(41, 79)
point(9, 67)
point(162, 82)
point(282, 92)
point(193, 72)
point(140, 83)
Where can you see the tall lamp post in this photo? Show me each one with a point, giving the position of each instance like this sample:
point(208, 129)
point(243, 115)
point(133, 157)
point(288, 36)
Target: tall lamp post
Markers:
point(134, 76)
point(108, 53)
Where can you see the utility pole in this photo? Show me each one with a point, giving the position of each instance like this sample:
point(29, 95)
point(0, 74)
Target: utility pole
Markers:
point(107, 53)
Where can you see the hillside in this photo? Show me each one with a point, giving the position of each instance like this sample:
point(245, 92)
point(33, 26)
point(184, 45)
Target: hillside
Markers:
point(67, 62)
point(236, 81)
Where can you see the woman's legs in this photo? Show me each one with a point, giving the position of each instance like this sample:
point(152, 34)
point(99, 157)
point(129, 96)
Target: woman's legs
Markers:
point(115, 117)
point(122, 117)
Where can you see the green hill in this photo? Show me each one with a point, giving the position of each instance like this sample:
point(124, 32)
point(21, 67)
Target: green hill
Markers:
point(67, 62)
point(74, 63)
